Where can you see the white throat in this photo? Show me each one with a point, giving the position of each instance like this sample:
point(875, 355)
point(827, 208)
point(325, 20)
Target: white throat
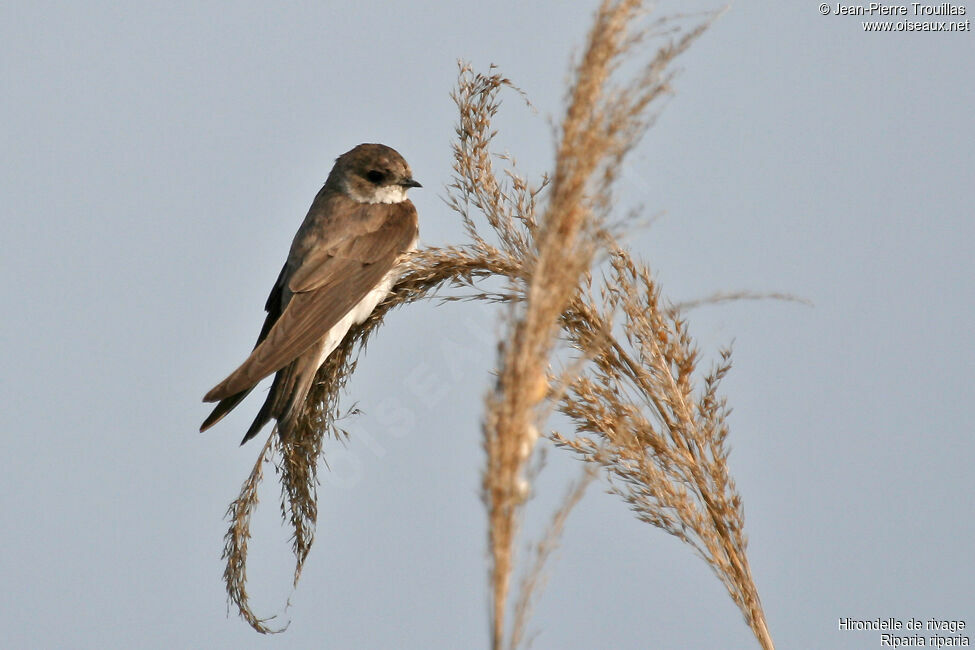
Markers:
point(386, 194)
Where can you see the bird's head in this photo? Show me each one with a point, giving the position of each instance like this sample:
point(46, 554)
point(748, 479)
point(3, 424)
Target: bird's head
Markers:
point(373, 173)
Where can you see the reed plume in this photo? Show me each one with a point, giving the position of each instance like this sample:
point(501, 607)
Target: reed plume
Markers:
point(589, 335)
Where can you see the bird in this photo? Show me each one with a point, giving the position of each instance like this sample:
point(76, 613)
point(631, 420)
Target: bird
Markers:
point(342, 263)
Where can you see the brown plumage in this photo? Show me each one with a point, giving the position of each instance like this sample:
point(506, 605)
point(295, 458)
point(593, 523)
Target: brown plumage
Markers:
point(341, 264)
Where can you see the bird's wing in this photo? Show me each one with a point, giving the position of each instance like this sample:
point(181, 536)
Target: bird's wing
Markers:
point(330, 281)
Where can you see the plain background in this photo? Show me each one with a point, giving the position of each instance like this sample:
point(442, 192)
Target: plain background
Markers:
point(158, 159)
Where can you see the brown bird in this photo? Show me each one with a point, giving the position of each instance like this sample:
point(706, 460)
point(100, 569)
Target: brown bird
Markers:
point(343, 262)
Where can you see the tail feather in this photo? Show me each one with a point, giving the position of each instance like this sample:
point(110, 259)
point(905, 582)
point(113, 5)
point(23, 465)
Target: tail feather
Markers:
point(225, 406)
point(286, 399)
point(262, 418)
point(270, 407)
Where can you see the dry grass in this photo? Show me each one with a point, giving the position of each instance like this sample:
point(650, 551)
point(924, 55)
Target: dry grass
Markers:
point(640, 409)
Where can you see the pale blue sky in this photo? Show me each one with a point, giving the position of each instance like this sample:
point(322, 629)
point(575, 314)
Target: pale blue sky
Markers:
point(159, 159)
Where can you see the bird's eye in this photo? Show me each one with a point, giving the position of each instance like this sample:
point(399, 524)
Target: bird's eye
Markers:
point(375, 176)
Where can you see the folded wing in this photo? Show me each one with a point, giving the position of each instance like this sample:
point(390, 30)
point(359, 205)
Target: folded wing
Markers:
point(331, 280)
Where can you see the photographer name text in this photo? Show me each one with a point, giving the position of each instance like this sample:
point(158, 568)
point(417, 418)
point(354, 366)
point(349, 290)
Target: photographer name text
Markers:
point(912, 9)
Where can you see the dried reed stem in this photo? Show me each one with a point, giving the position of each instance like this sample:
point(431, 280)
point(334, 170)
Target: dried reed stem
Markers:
point(562, 250)
point(236, 539)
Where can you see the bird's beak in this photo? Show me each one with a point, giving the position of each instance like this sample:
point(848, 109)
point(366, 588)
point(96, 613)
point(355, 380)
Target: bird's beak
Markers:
point(409, 182)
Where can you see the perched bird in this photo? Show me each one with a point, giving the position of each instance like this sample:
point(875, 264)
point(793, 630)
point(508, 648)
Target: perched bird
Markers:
point(342, 263)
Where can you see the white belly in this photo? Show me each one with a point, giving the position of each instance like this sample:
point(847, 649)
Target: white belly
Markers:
point(359, 313)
